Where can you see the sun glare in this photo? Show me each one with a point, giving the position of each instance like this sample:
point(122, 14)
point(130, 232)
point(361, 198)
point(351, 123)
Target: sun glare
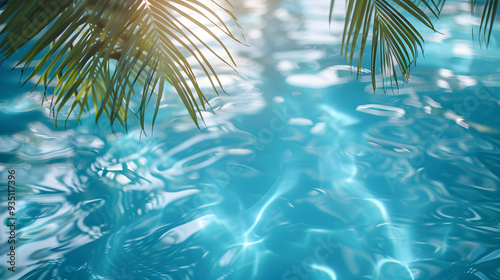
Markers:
point(145, 4)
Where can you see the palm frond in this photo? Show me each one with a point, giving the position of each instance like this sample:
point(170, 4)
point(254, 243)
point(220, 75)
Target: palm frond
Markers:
point(96, 51)
point(487, 19)
point(394, 39)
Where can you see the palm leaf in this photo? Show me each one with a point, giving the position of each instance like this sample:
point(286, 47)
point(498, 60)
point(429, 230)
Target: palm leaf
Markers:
point(101, 49)
point(395, 41)
point(487, 19)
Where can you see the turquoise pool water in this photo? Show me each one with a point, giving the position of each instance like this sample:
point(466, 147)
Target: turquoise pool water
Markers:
point(301, 173)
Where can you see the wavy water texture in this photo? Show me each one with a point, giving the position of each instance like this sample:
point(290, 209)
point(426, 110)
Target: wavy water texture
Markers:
point(301, 172)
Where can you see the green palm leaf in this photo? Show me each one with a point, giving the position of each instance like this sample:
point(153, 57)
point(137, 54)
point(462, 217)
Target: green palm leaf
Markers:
point(487, 19)
point(96, 51)
point(395, 41)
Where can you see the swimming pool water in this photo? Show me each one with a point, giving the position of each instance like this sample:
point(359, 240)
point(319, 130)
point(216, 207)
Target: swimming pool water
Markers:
point(301, 172)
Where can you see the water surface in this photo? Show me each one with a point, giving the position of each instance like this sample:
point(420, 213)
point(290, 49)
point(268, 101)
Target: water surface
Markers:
point(301, 172)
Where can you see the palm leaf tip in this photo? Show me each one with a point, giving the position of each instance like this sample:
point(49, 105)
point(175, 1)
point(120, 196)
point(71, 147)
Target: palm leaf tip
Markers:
point(103, 52)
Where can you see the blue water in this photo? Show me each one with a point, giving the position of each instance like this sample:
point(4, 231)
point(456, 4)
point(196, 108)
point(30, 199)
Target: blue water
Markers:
point(302, 172)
